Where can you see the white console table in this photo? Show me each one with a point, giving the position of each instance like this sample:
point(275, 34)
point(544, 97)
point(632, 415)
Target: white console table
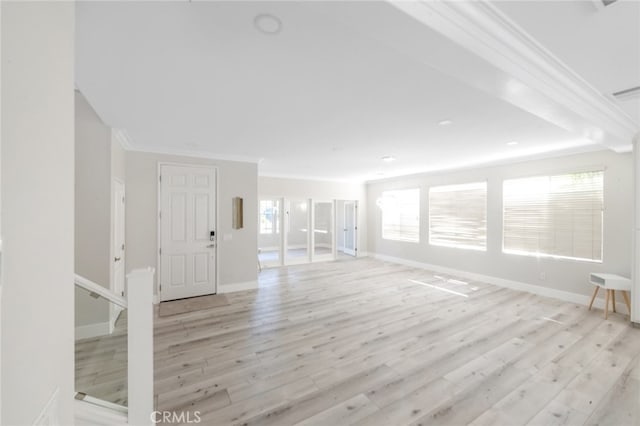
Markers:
point(611, 283)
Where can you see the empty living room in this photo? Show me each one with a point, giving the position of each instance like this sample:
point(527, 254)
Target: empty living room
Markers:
point(254, 213)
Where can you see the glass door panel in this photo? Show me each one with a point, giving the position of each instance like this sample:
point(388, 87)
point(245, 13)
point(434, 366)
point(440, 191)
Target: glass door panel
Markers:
point(323, 230)
point(269, 232)
point(298, 231)
point(350, 228)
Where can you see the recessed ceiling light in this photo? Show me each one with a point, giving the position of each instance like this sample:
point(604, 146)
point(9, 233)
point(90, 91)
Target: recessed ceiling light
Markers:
point(388, 158)
point(267, 24)
point(445, 122)
point(512, 143)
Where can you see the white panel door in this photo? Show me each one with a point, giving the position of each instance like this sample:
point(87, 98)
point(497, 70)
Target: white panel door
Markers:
point(187, 231)
point(350, 227)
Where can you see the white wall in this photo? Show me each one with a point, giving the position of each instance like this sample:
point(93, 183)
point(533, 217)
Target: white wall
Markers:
point(322, 191)
point(92, 211)
point(37, 210)
point(566, 275)
point(237, 258)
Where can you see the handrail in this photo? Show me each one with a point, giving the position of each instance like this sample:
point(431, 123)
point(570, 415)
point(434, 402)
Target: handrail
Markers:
point(92, 287)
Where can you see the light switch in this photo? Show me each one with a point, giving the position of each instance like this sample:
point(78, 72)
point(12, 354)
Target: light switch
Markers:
point(227, 237)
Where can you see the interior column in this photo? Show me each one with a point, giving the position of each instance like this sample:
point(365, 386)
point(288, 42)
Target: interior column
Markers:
point(635, 259)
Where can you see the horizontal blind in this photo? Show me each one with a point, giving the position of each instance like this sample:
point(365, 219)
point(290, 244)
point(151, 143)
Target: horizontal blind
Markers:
point(557, 215)
point(458, 215)
point(401, 215)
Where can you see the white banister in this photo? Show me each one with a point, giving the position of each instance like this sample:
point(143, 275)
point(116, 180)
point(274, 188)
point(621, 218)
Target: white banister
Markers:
point(92, 287)
point(140, 350)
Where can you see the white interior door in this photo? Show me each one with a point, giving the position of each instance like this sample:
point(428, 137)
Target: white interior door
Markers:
point(187, 231)
point(350, 227)
point(118, 249)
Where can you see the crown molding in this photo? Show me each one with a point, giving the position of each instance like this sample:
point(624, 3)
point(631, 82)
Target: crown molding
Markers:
point(122, 136)
point(540, 82)
point(309, 178)
point(196, 154)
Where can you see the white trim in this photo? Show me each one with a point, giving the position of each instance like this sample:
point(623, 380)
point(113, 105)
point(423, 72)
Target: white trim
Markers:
point(50, 414)
point(306, 177)
point(483, 29)
point(197, 154)
point(241, 286)
point(94, 330)
point(566, 296)
point(123, 138)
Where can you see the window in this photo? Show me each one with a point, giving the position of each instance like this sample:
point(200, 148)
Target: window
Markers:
point(458, 215)
point(269, 223)
point(558, 216)
point(401, 215)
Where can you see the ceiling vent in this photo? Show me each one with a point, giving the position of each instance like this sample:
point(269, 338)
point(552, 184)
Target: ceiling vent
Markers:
point(632, 92)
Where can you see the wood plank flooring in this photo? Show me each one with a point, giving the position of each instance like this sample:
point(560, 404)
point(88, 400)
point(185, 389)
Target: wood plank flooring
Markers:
point(101, 364)
point(365, 342)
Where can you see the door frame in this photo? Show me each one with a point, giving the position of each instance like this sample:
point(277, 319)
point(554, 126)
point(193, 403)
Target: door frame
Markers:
point(353, 253)
point(112, 270)
point(285, 235)
point(159, 225)
point(312, 226)
point(281, 217)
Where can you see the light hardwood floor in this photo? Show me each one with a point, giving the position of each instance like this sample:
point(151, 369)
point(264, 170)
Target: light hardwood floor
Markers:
point(101, 364)
point(366, 342)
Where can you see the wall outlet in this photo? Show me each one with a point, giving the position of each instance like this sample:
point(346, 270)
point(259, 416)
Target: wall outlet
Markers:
point(227, 237)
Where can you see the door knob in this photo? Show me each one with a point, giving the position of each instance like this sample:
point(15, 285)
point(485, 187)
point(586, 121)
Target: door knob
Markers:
point(117, 259)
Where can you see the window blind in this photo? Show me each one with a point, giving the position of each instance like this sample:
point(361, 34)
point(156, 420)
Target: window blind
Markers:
point(559, 216)
point(458, 215)
point(401, 215)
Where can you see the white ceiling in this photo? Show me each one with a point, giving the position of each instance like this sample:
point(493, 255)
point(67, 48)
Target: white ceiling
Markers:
point(325, 98)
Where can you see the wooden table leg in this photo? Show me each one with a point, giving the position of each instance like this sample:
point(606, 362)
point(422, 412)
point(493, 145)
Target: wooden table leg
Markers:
point(606, 304)
point(595, 293)
point(613, 300)
point(626, 300)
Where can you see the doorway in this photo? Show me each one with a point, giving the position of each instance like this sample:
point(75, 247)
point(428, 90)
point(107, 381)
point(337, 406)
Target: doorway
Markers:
point(347, 227)
point(117, 249)
point(270, 231)
point(187, 231)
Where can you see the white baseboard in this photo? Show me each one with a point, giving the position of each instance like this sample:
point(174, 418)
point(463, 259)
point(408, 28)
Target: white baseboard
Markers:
point(93, 330)
point(362, 254)
point(243, 286)
point(566, 296)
